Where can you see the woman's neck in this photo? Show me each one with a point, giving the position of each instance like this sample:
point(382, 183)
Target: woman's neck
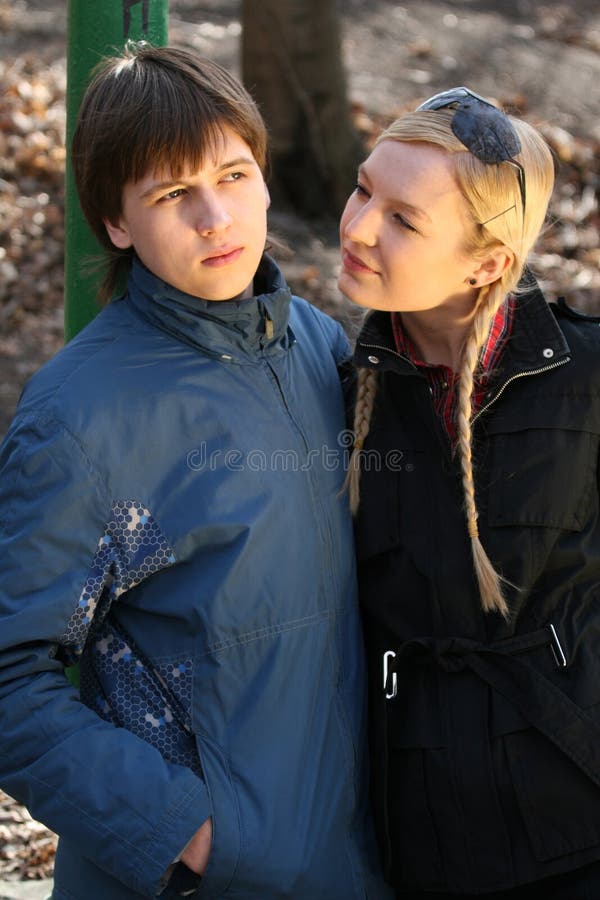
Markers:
point(439, 334)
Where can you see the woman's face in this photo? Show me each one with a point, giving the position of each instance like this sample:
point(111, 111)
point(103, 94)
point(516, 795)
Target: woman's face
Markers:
point(403, 232)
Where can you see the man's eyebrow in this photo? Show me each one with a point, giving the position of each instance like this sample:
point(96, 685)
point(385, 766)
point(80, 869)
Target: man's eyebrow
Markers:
point(229, 164)
point(160, 186)
point(415, 210)
point(238, 161)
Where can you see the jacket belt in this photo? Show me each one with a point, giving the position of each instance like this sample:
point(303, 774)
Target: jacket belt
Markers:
point(541, 703)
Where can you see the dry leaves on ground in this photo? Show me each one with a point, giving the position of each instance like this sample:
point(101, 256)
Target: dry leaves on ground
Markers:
point(26, 848)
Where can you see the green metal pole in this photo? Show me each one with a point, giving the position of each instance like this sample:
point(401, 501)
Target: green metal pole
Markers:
point(95, 29)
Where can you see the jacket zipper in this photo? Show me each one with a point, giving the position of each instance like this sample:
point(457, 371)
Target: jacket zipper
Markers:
point(440, 435)
point(273, 378)
point(555, 365)
point(483, 409)
point(328, 563)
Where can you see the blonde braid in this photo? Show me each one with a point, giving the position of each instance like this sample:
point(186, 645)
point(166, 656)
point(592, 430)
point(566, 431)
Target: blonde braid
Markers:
point(490, 582)
point(365, 400)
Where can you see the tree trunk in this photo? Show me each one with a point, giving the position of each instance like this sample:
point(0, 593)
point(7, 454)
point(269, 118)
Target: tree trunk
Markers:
point(292, 65)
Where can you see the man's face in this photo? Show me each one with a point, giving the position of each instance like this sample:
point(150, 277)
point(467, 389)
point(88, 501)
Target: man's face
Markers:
point(203, 233)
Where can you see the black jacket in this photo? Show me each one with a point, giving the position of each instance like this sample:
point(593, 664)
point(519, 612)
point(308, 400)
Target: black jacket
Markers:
point(486, 761)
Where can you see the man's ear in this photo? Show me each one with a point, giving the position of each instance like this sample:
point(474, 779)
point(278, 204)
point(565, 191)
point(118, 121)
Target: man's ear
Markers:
point(118, 233)
point(494, 265)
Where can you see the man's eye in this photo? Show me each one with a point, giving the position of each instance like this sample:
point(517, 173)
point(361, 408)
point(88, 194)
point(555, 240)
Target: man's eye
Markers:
point(172, 195)
point(233, 176)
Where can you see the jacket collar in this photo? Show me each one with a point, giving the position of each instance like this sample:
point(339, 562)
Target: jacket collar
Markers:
point(536, 341)
point(233, 330)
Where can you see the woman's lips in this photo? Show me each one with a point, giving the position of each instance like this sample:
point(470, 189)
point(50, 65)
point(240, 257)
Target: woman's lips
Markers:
point(354, 264)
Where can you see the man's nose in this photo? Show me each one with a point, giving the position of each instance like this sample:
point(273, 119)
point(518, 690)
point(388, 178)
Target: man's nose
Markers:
point(212, 215)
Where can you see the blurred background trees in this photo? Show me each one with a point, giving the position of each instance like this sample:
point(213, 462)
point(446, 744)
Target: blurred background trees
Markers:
point(292, 64)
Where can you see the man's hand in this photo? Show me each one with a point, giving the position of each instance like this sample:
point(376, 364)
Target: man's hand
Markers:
point(196, 852)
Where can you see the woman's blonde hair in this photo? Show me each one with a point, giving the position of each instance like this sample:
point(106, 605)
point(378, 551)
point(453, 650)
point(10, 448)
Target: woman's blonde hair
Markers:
point(493, 197)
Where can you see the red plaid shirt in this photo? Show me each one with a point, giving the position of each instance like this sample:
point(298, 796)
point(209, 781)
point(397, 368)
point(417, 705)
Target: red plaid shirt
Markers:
point(443, 381)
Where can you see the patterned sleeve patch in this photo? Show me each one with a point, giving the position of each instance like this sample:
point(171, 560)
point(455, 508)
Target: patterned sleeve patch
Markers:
point(131, 548)
point(153, 703)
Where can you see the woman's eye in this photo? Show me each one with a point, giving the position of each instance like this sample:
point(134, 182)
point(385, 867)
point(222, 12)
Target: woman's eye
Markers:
point(361, 190)
point(399, 218)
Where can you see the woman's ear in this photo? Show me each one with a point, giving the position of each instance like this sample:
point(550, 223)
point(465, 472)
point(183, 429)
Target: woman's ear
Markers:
point(494, 265)
point(118, 233)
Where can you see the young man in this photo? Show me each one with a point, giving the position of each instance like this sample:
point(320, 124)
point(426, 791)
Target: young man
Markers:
point(170, 517)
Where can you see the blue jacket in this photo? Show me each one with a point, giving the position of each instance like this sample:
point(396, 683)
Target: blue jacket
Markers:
point(170, 516)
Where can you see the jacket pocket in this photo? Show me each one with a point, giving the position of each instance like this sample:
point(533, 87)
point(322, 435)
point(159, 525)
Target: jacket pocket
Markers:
point(393, 483)
point(542, 477)
point(226, 840)
point(128, 689)
point(415, 853)
point(559, 804)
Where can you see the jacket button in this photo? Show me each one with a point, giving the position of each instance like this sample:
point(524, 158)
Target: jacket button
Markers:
point(373, 359)
point(548, 352)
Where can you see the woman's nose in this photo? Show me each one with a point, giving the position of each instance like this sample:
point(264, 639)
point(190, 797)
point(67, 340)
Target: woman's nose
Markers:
point(362, 226)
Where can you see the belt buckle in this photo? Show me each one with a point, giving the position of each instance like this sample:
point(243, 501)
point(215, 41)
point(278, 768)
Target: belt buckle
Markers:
point(557, 651)
point(389, 654)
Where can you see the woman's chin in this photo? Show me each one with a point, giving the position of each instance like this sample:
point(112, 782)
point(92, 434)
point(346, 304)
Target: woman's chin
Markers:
point(353, 292)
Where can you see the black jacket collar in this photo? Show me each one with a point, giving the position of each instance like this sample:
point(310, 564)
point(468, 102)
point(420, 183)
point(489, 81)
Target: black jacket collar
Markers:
point(536, 341)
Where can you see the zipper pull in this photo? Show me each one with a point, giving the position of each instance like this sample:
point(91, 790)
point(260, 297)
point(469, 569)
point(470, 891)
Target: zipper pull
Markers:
point(269, 328)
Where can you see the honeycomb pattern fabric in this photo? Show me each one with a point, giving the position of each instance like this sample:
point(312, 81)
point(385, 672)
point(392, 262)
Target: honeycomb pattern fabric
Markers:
point(177, 676)
point(130, 692)
point(131, 548)
point(115, 680)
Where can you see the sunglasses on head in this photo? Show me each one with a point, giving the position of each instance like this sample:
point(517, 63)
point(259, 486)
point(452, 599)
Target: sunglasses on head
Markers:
point(483, 129)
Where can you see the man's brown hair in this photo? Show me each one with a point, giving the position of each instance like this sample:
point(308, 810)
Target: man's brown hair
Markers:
point(152, 108)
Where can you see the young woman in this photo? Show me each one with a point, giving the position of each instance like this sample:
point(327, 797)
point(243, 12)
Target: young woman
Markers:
point(474, 481)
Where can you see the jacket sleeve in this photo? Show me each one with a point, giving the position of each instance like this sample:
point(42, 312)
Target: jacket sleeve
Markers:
point(341, 348)
point(101, 787)
point(334, 335)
